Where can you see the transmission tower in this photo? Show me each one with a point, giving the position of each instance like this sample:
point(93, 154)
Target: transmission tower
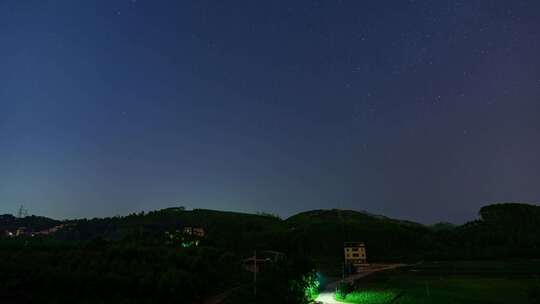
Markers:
point(22, 213)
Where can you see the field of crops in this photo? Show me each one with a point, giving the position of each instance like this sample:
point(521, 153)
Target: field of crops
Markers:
point(454, 283)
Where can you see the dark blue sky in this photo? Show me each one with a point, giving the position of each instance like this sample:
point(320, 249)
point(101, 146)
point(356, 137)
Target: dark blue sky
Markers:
point(423, 110)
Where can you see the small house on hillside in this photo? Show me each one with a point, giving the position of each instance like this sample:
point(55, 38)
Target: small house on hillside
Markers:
point(52, 230)
point(195, 231)
point(22, 231)
point(355, 253)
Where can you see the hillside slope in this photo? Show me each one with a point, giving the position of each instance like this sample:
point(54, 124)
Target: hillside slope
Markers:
point(323, 232)
point(33, 223)
point(503, 230)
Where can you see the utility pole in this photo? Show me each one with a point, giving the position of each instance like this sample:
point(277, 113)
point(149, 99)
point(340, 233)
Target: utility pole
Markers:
point(343, 240)
point(255, 273)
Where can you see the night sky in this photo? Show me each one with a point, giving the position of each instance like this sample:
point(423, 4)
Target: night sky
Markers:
point(421, 110)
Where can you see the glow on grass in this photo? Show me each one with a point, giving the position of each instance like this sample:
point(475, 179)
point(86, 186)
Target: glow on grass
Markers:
point(367, 297)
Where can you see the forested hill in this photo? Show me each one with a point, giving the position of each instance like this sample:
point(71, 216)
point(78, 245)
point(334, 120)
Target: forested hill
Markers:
point(323, 232)
point(230, 230)
point(35, 223)
point(502, 230)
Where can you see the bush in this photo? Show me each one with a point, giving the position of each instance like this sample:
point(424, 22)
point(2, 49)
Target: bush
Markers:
point(534, 294)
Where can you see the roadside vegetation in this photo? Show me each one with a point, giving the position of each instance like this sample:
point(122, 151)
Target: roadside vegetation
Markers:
point(113, 272)
point(40, 270)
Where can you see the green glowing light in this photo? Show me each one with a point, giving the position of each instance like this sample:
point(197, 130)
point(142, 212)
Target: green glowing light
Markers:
point(312, 286)
point(189, 244)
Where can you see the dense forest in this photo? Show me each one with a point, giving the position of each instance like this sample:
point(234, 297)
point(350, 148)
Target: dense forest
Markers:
point(502, 231)
point(135, 259)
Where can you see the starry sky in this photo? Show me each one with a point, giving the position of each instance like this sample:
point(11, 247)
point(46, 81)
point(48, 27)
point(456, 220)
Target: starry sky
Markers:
point(420, 110)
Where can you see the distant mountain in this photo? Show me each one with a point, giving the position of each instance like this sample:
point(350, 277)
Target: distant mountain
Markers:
point(345, 216)
point(503, 230)
point(32, 223)
point(239, 232)
point(443, 226)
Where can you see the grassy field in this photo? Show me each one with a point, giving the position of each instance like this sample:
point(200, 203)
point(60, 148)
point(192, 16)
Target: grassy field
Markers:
point(456, 283)
point(510, 267)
